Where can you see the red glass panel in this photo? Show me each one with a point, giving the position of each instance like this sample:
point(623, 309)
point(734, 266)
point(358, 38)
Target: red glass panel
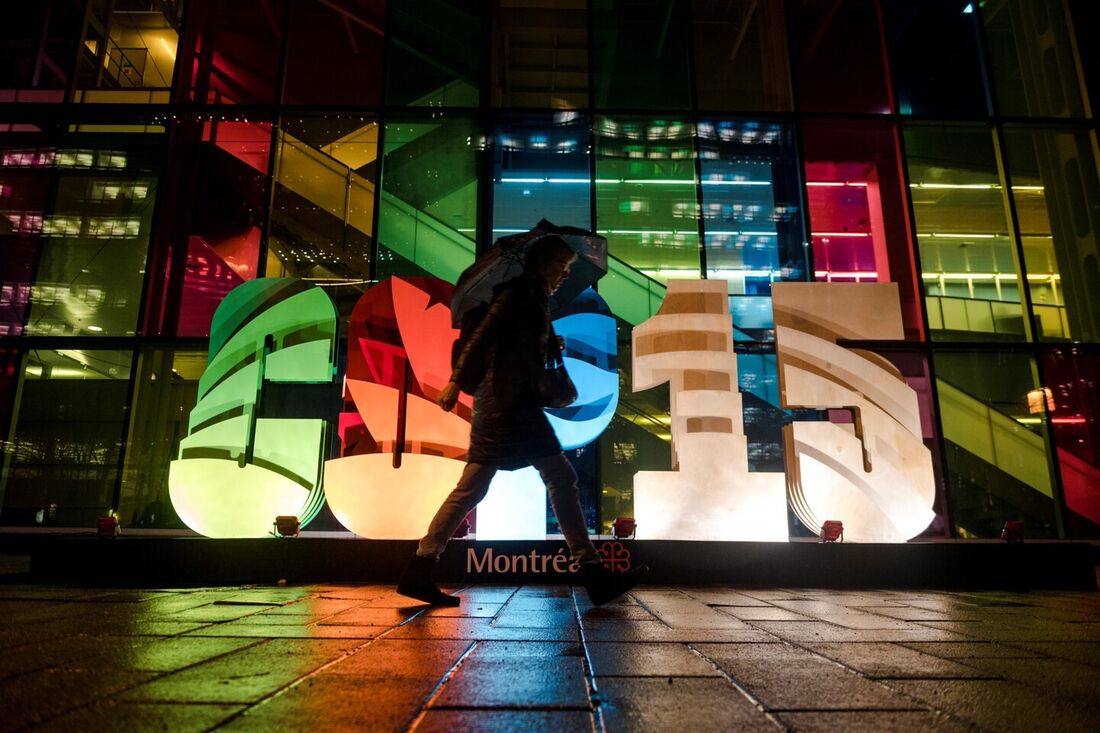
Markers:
point(1073, 378)
point(858, 214)
point(334, 52)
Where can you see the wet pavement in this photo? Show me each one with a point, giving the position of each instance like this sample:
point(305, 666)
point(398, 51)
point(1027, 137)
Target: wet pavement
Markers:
point(540, 658)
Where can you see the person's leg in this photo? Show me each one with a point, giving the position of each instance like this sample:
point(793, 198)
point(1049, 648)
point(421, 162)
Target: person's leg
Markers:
point(471, 489)
point(601, 584)
point(416, 581)
point(561, 482)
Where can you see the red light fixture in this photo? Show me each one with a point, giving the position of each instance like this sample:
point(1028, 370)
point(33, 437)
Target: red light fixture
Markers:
point(832, 531)
point(107, 527)
point(287, 526)
point(1013, 531)
point(623, 528)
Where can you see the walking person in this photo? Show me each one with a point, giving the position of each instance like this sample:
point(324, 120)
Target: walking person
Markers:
point(511, 346)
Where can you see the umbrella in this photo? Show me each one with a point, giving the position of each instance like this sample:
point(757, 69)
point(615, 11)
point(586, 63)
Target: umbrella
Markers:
point(504, 261)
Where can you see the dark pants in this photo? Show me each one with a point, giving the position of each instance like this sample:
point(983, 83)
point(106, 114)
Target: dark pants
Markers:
point(561, 482)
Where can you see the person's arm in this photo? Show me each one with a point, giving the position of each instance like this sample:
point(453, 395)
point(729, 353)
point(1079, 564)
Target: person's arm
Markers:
point(481, 338)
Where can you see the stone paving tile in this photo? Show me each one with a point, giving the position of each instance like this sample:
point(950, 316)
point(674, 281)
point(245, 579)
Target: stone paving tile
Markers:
point(246, 676)
point(478, 628)
point(30, 699)
point(632, 612)
point(1084, 652)
point(506, 650)
point(466, 610)
point(814, 631)
point(315, 606)
point(761, 613)
point(722, 597)
point(553, 682)
point(289, 631)
point(969, 649)
point(614, 630)
point(916, 613)
point(542, 604)
point(872, 721)
point(876, 659)
point(1056, 676)
point(647, 660)
point(373, 616)
point(282, 619)
point(339, 702)
point(165, 655)
point(506, 721)
point(1000, 705)
point(535, 619)
point(122, 717)
point(992, 631)
point(640, 705)
point(799, 680)
point(49, 653)
point(402, 658)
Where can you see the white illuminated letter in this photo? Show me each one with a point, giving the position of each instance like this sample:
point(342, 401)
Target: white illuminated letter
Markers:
point(875, 474)
point(710, 493)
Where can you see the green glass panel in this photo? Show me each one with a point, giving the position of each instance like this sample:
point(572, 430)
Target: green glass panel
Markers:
point(1054, 176)
point(996, 445)
point(970, 273)
point(428, 205)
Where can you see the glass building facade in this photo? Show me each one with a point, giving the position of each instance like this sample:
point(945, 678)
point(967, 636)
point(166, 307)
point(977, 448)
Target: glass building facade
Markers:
point(155, 155)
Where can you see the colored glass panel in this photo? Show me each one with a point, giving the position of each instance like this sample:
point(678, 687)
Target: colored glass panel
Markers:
point(61, 462)
point(436, 53)
point(166, 387)
point(646, 206)
point(741, 58)
point(752, 213)
point(1054, 177)
point(230, 52)
point(334, 52)
point(1072, 377)
point(944, 77)
point(641, 55)
point(1033, 57)
point(322, 215)
point(38, 42)
point(94, 231)
point(997, 450)
point(540, 54)
point(128, 52)
point(541, 170)
point(858, 212)
point(211, 222)
point(838, 56)
point(968, 258)
point(429, 199)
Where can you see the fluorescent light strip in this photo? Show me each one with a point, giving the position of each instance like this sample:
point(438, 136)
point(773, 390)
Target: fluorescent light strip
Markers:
point(840, 234)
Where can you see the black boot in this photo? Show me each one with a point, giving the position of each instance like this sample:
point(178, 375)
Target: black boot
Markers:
point(416, 582)
point(602, 585)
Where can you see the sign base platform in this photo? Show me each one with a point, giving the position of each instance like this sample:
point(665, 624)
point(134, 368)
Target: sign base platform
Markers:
point(187, 561)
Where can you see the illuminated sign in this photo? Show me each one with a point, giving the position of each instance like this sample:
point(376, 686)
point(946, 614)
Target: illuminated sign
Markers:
point(245, 460)
point(258, 435)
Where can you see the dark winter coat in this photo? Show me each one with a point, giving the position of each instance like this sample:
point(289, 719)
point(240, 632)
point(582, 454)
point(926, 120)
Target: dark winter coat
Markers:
point(513, 341)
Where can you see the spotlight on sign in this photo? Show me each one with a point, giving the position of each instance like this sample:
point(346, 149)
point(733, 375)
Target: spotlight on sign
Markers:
point(287, 526)
point(623, 528)
point(832, 531)
point(107, 527)
point(1013, 531)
